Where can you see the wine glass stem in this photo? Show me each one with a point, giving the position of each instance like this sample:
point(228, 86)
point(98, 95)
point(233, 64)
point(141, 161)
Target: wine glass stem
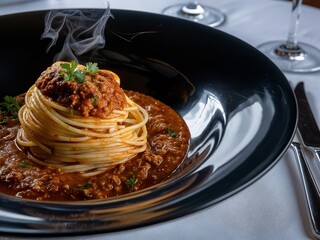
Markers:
point(294, 23)
point(291, 49)
point(192, 8)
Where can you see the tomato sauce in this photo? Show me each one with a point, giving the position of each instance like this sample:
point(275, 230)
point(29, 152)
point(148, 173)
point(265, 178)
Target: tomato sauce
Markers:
point(168, 143)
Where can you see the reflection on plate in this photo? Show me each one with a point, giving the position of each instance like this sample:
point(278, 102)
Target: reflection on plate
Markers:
point(238, 106)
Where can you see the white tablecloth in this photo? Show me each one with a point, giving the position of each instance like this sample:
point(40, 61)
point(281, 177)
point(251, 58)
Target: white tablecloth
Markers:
point(271, 208)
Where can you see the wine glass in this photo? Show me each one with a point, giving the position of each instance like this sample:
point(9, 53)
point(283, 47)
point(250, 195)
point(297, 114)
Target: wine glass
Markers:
point(196, 12)
point(291, 55)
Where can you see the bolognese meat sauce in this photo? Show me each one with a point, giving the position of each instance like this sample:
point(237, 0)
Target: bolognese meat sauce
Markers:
point(168, 141)
point(95, 96)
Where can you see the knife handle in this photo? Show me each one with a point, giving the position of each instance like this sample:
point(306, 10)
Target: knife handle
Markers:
point(311, 191)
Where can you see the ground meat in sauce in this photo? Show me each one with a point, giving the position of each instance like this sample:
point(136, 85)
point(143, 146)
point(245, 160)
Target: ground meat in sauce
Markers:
point(22, 178)
point(98, 96)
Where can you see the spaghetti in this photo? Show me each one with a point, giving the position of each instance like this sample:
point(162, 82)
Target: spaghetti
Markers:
point(58, 136)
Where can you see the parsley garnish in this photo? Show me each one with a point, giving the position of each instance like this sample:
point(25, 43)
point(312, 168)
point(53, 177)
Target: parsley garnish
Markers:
point(24, 164)
point(10, 105)
point(3, 121)
point(85, 186)
point(92, 68)
point(94, 100)
point(171, 133)
point(71, 73)
point(131, 181)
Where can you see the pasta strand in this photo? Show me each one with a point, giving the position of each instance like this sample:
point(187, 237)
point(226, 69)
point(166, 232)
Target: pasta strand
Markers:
point(57, 137)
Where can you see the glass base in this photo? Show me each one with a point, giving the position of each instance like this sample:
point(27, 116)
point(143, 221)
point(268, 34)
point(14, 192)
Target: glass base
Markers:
point(303, 58)
point(197, 13)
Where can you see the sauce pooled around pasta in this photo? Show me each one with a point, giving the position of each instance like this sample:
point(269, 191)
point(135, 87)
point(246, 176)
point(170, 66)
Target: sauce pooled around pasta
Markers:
point(82, 140)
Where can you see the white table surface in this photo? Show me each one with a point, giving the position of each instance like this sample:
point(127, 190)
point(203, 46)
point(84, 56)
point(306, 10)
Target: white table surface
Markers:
point(271, 208)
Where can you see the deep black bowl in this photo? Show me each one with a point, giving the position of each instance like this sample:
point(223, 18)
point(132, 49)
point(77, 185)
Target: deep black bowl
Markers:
point(238, 105)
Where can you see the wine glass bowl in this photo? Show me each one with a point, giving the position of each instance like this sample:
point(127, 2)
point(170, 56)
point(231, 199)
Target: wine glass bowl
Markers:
point(196, 12)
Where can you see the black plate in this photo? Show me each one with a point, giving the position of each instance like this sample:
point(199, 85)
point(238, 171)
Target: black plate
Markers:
point(239, 107)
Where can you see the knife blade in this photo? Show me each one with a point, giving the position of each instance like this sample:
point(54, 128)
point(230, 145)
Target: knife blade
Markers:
point(307, 124)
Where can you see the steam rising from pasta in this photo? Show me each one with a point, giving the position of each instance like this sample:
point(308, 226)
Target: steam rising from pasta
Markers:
point(75, 142)
point(83, 30)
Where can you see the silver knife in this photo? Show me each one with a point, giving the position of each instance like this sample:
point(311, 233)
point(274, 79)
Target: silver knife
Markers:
point(309, 135)
point(308, 132)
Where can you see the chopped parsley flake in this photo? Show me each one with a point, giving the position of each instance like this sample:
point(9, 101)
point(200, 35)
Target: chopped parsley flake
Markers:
point(85, 186)
point(24, 164)
point(171, 133)
point(94, 100)
point(3, 121)
point(131, 181)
